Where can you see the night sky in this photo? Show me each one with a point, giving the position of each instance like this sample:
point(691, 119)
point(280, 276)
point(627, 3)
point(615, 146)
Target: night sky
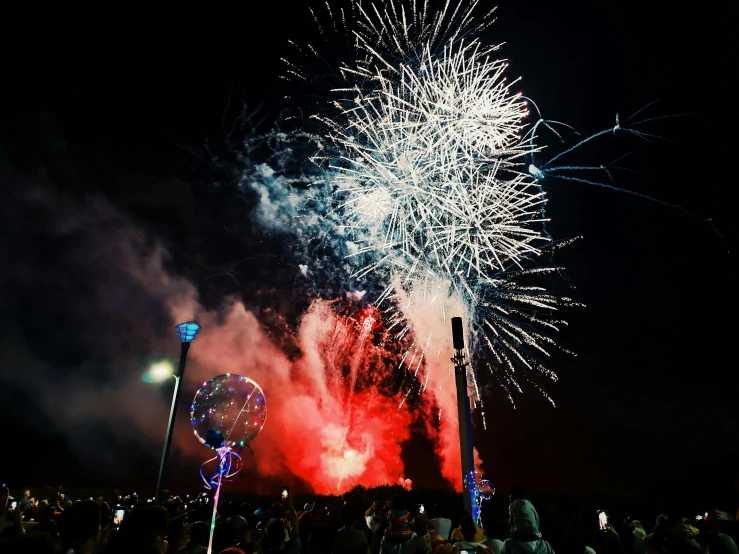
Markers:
point(109, 133)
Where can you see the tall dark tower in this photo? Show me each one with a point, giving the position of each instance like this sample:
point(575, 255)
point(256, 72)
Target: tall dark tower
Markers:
point(466, 440)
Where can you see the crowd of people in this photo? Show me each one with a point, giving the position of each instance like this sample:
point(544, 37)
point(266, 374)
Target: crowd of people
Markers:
point(348, 525)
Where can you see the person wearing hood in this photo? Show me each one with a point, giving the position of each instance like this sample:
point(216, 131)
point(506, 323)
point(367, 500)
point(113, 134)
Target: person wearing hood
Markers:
point(523, 521)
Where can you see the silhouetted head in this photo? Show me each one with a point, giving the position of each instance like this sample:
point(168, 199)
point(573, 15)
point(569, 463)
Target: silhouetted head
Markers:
point(199, 533)
point(517, 492)
point(348, 515)
point(80, 524)
point(275, 534)
point(398, 502)
point(469, 530)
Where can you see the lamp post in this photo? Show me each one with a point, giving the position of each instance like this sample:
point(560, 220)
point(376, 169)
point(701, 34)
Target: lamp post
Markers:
point(465, 419)
point(187, 332)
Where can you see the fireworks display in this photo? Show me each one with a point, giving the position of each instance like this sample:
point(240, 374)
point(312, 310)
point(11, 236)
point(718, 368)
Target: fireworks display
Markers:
point(432, 182)
point(428, 162)
point(423, 202)
point(402, 177)
point(325, 195)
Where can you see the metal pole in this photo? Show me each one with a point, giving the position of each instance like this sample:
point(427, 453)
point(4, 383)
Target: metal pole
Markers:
point(185, 346)
point(466, 440)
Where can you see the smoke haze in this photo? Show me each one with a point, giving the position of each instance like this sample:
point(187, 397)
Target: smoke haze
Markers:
point(336, 414)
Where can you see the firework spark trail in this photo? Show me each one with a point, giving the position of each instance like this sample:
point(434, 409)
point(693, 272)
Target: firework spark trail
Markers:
point(366, 329)
point(364, 333)
point(546, 171)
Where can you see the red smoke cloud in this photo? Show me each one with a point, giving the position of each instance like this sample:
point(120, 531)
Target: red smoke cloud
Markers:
point(335, 418)
point(328, 423)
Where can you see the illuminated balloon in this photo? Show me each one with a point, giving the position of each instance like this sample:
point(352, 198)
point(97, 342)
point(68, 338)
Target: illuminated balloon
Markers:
point(228, 411)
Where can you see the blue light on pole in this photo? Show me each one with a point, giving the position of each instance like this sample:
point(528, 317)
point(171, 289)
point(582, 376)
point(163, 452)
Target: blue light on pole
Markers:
point(188, 331)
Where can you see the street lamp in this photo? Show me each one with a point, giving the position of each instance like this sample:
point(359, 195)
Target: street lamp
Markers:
point(159, 372)
point(187, 332)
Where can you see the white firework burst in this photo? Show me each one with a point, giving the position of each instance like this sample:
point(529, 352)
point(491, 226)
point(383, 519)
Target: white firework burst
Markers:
point(431, 168)
point(429, 172)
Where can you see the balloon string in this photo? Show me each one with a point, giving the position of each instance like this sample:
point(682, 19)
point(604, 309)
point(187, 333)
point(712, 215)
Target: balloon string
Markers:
point(215, 511)
point(229, 464)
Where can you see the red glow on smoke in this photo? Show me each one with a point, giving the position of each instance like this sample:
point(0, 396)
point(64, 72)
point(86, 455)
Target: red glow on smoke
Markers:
point(333, 417)
point(362, 447)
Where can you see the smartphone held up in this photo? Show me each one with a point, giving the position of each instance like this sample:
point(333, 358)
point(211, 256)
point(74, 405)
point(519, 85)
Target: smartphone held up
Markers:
point(118, 515)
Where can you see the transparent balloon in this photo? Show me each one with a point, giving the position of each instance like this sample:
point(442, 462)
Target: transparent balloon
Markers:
point(228, 411)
